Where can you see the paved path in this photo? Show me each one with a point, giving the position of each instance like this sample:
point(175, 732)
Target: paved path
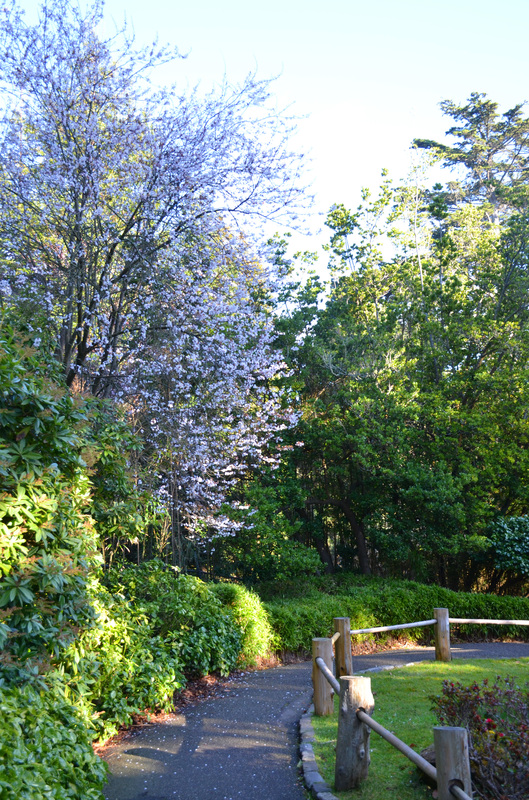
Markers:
point(242, 744)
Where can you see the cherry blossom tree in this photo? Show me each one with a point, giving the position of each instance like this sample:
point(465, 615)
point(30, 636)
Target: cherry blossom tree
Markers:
point(201, 387)
point(121, 216)
point(100, 175)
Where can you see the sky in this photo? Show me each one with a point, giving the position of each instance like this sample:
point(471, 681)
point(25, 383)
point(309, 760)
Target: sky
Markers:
point(365, 78)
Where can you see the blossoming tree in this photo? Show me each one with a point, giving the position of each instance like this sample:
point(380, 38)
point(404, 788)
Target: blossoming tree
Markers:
point(120, 215)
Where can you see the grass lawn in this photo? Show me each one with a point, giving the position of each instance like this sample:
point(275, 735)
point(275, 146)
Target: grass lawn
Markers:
point(402, 705)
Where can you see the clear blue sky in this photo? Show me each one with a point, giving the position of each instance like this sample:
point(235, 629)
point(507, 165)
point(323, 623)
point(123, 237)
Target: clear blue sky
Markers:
point(368, 75)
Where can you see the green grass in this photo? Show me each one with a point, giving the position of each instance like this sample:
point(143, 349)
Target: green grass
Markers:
point(403, 706)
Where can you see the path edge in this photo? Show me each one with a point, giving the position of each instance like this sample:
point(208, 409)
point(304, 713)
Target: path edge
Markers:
point(314, 782)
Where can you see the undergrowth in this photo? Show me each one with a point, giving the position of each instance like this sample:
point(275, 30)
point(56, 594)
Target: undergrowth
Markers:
point(301, 611)
point(496, 716)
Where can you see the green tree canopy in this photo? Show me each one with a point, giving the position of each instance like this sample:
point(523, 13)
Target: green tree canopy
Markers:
point(414, 391)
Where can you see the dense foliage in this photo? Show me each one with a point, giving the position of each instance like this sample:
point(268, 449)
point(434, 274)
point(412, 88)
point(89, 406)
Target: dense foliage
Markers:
point(299, 612)
point(119, 667)
point(411, 453)
point(265, 543)
point(250, 616)
point(497, 720)
point(153, 627)
point(45, 748)
point(184, 611)
point(47, 536)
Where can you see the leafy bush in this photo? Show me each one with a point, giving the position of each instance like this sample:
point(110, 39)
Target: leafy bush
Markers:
point(497, 721)
point(297, 622)
point(251, 618)
point(119, 667)
point(300, 612)
point(47, 539)
point(45, 748)
point(151, 626)
point(184, 612)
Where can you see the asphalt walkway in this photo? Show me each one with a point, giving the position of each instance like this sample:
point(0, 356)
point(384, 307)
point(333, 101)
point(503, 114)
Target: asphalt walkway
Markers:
point(243, 743)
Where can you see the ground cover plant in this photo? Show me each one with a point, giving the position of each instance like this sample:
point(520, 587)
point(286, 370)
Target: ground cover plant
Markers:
point(403, 705)
point(497, 719)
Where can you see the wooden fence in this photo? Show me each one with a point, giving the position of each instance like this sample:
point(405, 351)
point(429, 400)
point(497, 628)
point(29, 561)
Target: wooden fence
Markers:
point(452, 771)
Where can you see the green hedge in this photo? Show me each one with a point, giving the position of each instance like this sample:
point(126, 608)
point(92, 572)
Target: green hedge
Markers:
point(250, 616)
point(152, 627)
point(376, 601)
point(45, 748)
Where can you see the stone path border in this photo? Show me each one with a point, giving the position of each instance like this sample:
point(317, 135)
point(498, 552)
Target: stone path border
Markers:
point(244, 743)
point(314, 782)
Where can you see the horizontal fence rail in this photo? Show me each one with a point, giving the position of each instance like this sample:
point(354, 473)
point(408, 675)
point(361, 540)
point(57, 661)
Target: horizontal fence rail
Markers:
point(441, 623)
point(458, 621)
point(327, 674)
point(418, 760)
point(458, 792)
point(384, 628)
point(452, 770)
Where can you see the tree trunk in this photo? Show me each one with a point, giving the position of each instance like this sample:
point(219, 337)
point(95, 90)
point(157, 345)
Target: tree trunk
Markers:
point(325, 554)
point(356, 527)
point(358, 531)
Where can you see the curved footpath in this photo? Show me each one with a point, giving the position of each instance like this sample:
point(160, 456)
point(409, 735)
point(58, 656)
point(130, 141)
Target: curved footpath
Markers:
point(243, 743)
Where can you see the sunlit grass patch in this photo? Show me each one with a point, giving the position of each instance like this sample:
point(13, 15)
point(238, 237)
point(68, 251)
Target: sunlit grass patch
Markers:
point(403, 706)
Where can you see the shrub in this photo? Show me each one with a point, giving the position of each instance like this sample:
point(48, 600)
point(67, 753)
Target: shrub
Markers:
point(47, 539)
point(184, 612)
point(252, 620)
point(152, 626)
point(119, 667)
point(296, 622)
point(45, 748)
point(300, 612)
point(497, 720)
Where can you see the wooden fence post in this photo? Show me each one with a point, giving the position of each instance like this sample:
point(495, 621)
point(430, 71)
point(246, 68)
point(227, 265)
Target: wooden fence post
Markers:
point(452, 761)
point(342, 647)
point(442, 635)
point(323, 694)
point(352, 742)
